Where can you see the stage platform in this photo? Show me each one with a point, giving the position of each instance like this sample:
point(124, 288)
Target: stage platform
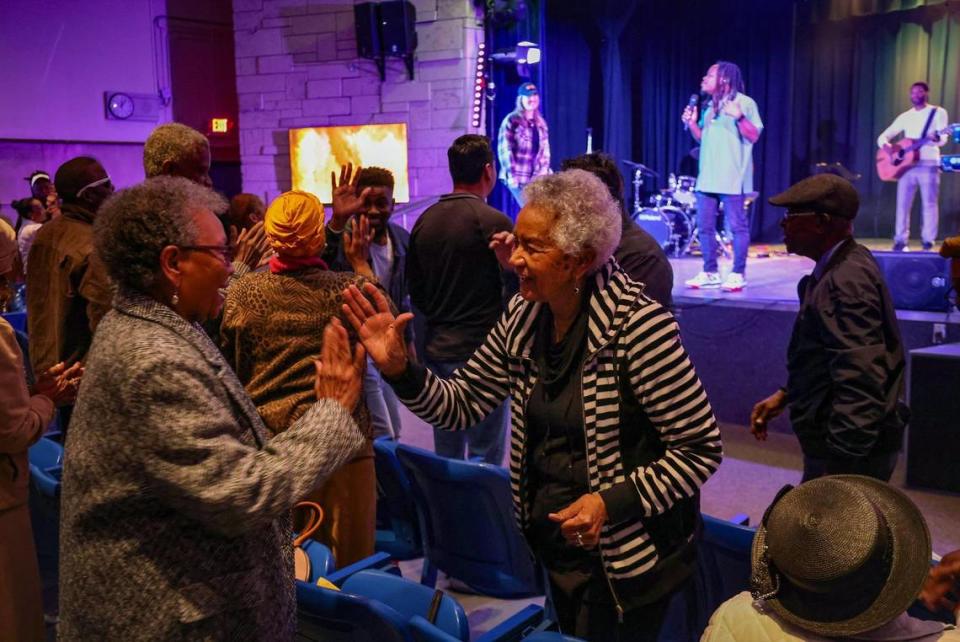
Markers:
point(772, 277)
point(738, 340)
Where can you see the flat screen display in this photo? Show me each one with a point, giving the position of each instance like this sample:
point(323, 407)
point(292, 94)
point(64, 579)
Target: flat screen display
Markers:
point(317, 151)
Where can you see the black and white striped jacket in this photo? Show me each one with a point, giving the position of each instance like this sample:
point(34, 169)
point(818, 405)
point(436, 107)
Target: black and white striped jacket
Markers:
point(627, 333)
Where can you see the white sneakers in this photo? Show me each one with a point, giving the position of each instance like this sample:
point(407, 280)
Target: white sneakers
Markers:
point(704, 280)
point(733, 283)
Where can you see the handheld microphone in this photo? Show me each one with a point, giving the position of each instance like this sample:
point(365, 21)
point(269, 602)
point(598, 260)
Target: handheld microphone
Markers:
point(694, 99)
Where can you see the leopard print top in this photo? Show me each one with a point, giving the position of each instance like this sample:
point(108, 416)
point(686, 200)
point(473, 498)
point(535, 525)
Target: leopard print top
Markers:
point(272, 332)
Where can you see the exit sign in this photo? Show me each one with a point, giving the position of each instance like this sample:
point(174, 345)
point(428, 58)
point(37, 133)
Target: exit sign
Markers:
point(219, 125)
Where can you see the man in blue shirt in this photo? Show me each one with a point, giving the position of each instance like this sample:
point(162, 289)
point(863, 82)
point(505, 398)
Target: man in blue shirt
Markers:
point(727, 131)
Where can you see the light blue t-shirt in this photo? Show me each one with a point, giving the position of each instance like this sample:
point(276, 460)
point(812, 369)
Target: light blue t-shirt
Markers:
point(381, 258)
point(726, 157)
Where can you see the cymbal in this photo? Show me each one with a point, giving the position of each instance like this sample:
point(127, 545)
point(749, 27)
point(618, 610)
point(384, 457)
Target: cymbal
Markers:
point(640, 166)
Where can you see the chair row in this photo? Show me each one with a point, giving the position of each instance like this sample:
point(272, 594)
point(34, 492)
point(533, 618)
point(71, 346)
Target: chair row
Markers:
point(371, 600)
point(463, 514)
point(17, 319)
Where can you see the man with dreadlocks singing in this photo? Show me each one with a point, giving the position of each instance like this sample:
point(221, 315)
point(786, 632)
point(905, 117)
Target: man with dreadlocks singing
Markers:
point(727, 131)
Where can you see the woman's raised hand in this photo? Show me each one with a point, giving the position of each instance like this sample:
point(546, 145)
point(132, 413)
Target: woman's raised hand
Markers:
point(380, 332)
point(356, 247)
point(339, 373)
point(502, 244)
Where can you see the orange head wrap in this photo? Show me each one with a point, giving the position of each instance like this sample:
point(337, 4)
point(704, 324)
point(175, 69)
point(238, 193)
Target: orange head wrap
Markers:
point(294, 224)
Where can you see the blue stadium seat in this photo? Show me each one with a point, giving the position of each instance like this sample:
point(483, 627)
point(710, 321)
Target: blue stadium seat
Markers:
point(723, 570)
point(410, 600)
point(46, 467)
point(17, 319)
point(324, 614)
point(377, 606)
point(528, 624)
point(469, 532)
point(322, 563)
point(398, 529)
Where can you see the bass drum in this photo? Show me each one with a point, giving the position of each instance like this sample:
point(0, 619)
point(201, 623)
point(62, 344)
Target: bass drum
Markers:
point(682, 229)
point(656, 224)
point(684, 193)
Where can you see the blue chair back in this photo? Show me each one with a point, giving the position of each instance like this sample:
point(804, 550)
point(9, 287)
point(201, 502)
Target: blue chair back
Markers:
point(550, 636)
point(46, 467)
point(324, 614)
point(17, 319)
point(322, 563)
point(723, 570)
point(398, 528)
point(410, 600)
point(469, 533)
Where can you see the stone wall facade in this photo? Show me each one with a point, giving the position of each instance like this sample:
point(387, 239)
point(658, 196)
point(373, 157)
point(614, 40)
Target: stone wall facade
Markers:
point(297, 66)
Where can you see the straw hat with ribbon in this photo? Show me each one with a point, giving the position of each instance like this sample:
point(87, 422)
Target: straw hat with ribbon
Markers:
point(841, 555)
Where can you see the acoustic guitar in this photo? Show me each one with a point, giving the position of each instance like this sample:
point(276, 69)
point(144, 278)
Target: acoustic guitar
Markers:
point(903, 155)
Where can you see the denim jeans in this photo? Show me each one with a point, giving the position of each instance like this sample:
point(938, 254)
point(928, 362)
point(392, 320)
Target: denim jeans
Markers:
point(382, 404)
point(927, 178)
point(517, 192)
point(708, 206)
point(484, 440)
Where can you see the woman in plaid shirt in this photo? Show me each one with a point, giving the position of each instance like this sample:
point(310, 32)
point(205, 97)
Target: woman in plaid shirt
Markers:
point(523, 144)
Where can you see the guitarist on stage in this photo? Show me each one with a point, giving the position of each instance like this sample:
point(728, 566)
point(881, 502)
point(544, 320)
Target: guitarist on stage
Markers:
point(927, 122)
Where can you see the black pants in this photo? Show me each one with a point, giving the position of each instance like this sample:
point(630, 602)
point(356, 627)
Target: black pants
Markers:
point(585, 609)
point(879, 466)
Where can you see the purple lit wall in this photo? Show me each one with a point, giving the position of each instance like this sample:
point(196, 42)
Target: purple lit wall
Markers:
point(59, 57)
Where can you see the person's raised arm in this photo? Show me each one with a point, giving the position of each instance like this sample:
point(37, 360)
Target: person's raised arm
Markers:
point(194, 461)
point(896, 127)
point(459, 402)
point(380, 331)
point(690, 118)
point(23, 416)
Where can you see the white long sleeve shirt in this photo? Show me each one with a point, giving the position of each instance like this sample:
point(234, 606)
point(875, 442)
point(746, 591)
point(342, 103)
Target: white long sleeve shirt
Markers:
point(910, 123)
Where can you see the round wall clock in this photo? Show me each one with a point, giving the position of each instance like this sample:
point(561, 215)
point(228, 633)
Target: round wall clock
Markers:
point(120, 106)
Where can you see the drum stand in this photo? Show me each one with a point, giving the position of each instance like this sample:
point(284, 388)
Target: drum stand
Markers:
point(639, 169)
point(637, 185)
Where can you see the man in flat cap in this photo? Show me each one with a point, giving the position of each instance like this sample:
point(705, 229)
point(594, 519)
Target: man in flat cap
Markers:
point(845, 361)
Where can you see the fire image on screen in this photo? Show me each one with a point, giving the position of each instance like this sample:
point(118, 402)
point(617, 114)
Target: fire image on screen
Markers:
point(317, 151)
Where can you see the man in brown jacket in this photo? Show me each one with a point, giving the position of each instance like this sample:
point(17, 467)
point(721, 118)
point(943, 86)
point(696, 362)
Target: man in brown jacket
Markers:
point(68, 290)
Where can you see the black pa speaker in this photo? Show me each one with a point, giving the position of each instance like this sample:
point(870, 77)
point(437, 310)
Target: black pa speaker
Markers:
point(934, 375)
point(398, 32)
point(385, 28)
point(368, 35)
point(916, 280)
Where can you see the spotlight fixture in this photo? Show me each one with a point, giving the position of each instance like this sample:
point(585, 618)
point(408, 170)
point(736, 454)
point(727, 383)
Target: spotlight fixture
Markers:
point(528, 53)
point(523, 55)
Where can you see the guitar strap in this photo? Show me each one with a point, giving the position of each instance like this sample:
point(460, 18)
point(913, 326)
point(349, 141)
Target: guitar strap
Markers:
point(933, 111)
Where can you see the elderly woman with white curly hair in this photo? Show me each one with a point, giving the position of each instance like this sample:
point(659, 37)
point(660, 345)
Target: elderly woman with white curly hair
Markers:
point(612, 432)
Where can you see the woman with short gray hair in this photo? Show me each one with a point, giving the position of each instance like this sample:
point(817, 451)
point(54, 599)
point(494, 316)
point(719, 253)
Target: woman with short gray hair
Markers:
point(176, 500)
point(612, 432)
point(584, 219)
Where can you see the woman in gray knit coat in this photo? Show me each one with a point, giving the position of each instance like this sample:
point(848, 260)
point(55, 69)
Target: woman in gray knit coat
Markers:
point(176, 500)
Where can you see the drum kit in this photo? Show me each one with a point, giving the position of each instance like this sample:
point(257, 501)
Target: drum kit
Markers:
point(670, 215)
